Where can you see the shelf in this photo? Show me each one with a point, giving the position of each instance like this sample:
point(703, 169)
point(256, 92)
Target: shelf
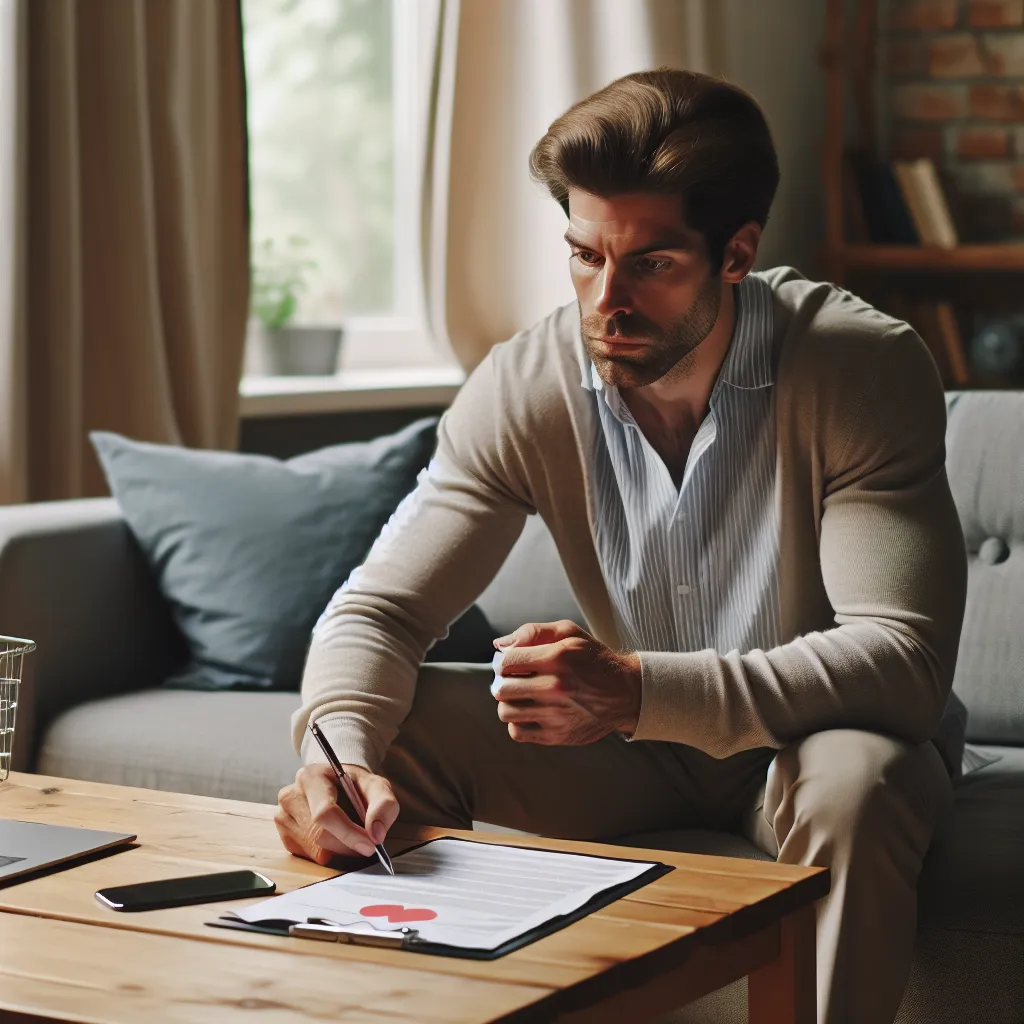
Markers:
point(1007, 257)
point(350, 391)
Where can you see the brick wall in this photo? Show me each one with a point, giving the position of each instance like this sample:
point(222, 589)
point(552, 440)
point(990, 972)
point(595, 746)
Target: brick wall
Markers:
point(955, 92)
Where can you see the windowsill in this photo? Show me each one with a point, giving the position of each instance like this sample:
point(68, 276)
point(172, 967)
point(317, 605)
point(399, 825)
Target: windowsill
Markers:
point(356, 390)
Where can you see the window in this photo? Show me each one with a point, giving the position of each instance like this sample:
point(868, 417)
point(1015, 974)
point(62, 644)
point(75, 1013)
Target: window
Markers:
point(335, 152)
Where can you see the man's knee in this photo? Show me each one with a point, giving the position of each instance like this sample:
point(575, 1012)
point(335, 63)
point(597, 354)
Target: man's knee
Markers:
point(848, 787)
point(432, 762)
point(449, 700)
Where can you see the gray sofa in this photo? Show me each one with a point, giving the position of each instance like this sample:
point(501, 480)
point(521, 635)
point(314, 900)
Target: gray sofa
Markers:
point(72, 579)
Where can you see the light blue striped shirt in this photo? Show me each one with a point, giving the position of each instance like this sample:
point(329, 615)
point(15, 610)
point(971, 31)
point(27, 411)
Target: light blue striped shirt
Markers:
point(696, 568)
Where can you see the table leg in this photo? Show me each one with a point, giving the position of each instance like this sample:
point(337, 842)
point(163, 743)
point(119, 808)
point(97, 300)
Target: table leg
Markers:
point(783, 992)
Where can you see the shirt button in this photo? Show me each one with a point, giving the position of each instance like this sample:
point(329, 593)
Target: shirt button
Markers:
point(683, 589)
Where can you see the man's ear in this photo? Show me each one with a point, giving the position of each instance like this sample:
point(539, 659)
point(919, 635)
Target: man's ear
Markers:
point(741, 252)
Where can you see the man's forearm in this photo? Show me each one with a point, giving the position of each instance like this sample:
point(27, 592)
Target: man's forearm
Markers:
point(859, 676)
point(358, 683)
point(441, 548)
point(360, 675)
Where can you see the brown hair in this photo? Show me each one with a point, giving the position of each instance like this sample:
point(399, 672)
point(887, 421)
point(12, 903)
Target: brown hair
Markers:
point(667, 131)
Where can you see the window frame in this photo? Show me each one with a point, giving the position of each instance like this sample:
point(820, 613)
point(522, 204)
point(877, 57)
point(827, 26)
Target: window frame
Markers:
point(404, 334)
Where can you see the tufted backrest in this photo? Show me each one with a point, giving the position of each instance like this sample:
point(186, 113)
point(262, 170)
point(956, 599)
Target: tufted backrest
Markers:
point(531, 586)
point(985, 462)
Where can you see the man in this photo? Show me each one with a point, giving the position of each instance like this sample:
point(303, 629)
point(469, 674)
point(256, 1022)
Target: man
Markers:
point(744, 475)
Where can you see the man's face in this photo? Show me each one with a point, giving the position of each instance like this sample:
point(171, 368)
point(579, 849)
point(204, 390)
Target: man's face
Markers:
point(646, 296)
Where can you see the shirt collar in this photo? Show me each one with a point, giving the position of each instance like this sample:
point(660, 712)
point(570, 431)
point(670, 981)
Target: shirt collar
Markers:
point(748, 363)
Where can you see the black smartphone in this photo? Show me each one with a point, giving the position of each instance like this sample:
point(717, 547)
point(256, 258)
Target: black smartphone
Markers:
point(182, 892)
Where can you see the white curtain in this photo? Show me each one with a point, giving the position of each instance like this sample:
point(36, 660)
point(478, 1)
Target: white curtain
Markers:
point(12, 362)
point(502, 71)
point(124, 247)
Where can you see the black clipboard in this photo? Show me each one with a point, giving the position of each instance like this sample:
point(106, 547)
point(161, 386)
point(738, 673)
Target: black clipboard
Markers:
point(555, 924)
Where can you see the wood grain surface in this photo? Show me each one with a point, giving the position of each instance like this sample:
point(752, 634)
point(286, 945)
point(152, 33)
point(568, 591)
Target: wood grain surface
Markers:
point(707, 922)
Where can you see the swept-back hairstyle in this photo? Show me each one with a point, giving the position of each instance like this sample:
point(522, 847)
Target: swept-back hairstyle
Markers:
point(667, 131)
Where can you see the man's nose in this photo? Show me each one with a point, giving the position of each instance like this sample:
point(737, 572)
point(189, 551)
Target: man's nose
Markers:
point(613, 295)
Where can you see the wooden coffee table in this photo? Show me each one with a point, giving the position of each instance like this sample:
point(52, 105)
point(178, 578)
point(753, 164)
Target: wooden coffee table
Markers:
point(67, 958)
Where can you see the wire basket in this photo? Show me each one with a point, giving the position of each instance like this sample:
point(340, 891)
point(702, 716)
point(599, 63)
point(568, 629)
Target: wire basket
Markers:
point(12, 656)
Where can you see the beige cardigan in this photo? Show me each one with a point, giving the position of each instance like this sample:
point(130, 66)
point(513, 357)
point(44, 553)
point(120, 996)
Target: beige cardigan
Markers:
point(872, 569)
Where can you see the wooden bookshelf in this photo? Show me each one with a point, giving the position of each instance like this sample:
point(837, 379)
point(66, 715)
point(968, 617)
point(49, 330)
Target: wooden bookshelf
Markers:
point(1009, 257)
point(942, 292)
point(848, 61)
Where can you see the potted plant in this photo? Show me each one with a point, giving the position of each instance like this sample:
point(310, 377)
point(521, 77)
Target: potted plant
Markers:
point(278, 278)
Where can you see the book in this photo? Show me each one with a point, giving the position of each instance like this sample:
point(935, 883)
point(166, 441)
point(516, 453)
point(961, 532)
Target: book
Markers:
point(906, 172)
point(942, 227)
point(952, 344)
point(855, 219)
point(937, 325)
point(924, 196)
point(888, 219)
point(923, 319)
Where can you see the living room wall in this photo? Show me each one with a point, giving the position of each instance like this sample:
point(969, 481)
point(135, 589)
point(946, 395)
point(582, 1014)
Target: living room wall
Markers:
point(285, 436)
point(770, 48)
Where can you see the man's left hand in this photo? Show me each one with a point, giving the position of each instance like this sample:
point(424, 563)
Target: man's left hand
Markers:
point(560, 686)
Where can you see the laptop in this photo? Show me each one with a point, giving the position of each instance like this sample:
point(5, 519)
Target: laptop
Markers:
point(27, 846)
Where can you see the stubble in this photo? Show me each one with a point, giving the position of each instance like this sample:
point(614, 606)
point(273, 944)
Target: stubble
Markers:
point(671, 347)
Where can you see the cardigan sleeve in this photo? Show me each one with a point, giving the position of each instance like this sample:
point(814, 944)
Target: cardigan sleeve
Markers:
point(893, 564)
point(441, 548)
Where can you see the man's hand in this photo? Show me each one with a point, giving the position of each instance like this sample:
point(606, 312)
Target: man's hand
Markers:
point(577, 691)
point(312, 825)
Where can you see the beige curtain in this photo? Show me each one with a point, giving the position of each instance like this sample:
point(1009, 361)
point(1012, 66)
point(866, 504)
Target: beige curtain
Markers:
point(502, 70)
point(124, 241)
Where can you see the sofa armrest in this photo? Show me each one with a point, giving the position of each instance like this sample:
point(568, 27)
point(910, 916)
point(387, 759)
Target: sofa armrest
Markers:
point(73, 580)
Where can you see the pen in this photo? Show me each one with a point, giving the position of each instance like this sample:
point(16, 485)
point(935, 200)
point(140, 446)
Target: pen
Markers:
point(349, 788)
point(317, 928)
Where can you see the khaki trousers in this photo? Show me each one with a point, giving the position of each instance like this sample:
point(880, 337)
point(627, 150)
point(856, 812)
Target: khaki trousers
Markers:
point(862, 804)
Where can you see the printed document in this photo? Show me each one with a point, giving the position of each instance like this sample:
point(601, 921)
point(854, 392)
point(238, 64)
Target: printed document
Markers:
point(456, 892)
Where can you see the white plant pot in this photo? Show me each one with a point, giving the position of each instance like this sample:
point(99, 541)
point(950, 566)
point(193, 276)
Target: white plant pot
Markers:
point(299, 351)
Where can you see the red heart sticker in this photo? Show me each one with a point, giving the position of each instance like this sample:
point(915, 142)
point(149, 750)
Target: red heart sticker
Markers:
point(396, 913)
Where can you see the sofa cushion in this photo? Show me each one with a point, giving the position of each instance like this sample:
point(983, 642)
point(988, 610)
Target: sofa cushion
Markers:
point(970, 945)
point(248, 549)
point(531, 585)
point(986, 474)
point(973, 878)
point(229, 744)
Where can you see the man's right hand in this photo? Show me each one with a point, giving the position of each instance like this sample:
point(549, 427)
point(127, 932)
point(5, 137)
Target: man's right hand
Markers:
point(312, 825)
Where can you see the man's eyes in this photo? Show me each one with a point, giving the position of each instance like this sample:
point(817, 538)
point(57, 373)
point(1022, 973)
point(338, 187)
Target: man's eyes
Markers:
point(644, 264)
point(652, 266)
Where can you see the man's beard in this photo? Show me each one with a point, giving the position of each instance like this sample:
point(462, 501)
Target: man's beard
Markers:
point(669, 348)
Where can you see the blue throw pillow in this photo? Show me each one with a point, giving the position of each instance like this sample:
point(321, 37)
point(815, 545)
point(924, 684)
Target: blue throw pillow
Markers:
point(248, 549)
